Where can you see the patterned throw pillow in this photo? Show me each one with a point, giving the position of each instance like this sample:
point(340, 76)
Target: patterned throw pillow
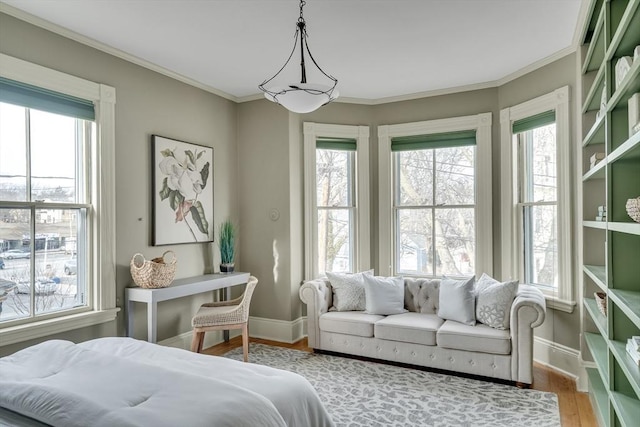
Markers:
point(348, 290)
point(493, 301)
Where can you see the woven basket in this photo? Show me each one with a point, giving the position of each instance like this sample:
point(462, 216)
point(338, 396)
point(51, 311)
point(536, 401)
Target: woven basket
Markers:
point(633, 209)
point(601, 302)
point(155, 273)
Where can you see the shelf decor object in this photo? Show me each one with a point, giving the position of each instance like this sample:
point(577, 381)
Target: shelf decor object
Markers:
point(633, 209)
point(302, 97)
point(622, 68)
point(609, 63)
point(601, 302)
point(634, 113)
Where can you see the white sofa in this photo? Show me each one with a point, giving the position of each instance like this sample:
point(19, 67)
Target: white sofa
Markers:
point(420, 337)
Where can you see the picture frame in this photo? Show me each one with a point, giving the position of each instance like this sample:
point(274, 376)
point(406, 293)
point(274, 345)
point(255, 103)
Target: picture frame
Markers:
point(182, 192)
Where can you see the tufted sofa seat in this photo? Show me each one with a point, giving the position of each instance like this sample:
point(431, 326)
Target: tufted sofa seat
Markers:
point(420, 337)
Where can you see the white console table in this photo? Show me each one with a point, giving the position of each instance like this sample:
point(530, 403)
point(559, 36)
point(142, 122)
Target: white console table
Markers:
point(179, 288)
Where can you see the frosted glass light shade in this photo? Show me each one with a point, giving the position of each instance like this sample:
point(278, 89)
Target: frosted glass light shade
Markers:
point(302, 97)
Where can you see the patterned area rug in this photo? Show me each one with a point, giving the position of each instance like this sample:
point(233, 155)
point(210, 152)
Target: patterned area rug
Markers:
point(368, 394)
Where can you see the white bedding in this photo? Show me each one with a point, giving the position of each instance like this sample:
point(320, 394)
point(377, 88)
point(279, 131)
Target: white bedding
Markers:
point(124, 382)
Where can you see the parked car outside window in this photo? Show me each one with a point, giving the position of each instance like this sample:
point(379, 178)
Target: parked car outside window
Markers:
point(15, 253)
point(71, 266)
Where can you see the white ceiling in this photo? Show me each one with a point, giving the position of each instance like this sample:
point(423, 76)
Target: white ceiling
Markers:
point(377, 49)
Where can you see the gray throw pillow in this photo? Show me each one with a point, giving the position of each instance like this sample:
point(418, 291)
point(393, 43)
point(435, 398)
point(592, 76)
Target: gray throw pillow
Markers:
point(457, 300)
point(494, 299)
point(348, 290)
point(384, 295)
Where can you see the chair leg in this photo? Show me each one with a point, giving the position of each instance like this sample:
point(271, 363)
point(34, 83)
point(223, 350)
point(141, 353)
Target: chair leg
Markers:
point(200, 341)
point(194, 342)
point(245, 341)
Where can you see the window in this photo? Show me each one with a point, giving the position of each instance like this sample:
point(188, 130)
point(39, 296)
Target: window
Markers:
point(44, 211)
point(536, 201)
point(56, 180)
point(434, 204)
point(336, 198)
point(435, 197)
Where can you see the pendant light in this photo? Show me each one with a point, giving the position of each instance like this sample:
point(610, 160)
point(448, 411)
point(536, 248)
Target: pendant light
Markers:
point(301, 97)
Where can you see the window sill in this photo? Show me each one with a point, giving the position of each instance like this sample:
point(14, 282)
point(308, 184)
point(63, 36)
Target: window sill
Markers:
point(559, 304)
point(28, 331)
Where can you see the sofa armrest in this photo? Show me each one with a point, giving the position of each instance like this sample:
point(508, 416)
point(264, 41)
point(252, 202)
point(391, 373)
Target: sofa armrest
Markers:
point(318, 297)
point(527, 312)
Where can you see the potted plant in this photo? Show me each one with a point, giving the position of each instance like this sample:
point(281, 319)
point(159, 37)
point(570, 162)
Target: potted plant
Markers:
point(227, 243)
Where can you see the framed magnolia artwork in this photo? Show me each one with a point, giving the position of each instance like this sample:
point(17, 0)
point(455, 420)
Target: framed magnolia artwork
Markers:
point(182, 192)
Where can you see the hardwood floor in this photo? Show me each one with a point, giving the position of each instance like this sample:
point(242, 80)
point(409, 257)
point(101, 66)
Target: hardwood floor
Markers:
point(575, 407)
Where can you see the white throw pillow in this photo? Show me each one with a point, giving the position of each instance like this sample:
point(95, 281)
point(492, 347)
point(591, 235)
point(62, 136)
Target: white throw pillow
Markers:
point(457, 300)
point(494, 299)
point(384, 295)
point(348, 290)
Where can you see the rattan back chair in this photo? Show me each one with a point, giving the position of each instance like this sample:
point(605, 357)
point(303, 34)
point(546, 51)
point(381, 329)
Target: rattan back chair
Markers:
point(224, 315)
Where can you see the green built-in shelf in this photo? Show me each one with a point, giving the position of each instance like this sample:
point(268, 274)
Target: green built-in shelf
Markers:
point(595, 52)
point(598, 318)
point(592, 101)
point(595, 224)
point(628, 302)
point(599, 395)
point(627, 409)
point(596, 172)
point(625, 227)
point(626, 36)
point(596, 133)
point(598, 274)
point(628, 86)
point(629, 150)
point(628, 366)
point(599, 350)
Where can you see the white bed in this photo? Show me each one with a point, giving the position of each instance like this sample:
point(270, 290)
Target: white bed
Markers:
point(126, 382)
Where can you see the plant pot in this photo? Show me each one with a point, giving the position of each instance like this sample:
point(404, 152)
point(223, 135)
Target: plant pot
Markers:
point(227, 268)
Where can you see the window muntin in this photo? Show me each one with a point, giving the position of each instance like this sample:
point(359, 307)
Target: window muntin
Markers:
point(537, 205)
point(335, 203)
point(434, 211)
point(43, 213)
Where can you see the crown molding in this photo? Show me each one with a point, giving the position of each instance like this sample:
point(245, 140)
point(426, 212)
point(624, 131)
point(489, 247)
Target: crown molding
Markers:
point(64, 32)
point(57, 29)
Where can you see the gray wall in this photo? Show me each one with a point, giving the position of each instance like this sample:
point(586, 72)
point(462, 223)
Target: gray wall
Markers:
point(146, 103)
point(257, 168)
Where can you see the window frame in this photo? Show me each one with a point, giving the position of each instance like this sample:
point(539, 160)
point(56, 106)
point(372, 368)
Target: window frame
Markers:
point(101, 216)
point(563, 298)
point(481, 123)
point(361, 226)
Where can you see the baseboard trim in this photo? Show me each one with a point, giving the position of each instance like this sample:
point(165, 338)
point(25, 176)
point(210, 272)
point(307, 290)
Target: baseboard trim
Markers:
point(278, 330)
point(562, 359)
point(259, 327)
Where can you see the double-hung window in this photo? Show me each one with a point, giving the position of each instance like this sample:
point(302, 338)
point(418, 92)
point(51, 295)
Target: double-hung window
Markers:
point(434, 204)
point(336, 198)
point(435, 197)
point(538, 198)
point(536, 201)
point(56, 244)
